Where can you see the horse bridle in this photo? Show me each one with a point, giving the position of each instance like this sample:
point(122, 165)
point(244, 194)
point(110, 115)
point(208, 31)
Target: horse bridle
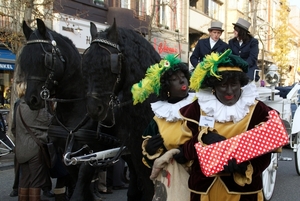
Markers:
point(50, 63)
point(116, 60)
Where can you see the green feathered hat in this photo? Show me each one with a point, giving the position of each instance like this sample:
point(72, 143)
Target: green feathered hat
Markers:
point(151, 83)
point(213, 64)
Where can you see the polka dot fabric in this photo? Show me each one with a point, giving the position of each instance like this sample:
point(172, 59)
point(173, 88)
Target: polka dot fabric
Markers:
point(255, 142)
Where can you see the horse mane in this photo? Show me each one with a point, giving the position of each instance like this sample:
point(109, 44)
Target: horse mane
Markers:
point(138, 55)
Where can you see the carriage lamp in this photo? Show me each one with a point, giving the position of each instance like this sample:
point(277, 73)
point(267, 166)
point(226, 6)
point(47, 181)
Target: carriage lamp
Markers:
point(272, 77)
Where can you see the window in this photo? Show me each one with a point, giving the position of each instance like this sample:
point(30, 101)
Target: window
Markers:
point(166, 14)
point(138, 6)
point(213, 10)
point(100, 3)
point(4, 21)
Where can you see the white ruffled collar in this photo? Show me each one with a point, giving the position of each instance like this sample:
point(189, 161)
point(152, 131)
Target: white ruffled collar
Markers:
point(169, 111)
point(222, 113)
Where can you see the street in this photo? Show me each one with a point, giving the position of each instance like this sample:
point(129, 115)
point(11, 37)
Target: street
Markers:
point(286, 188)
point(6, 182)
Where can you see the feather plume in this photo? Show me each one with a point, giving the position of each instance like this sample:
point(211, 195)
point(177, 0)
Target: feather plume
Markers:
point(151, 83)
point(208, 67)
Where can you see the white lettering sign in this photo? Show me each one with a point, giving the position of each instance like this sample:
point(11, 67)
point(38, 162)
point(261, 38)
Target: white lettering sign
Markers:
point(6, 67)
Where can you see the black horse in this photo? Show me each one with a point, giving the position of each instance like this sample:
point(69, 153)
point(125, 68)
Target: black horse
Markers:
point(51, 65)
point(116, 59)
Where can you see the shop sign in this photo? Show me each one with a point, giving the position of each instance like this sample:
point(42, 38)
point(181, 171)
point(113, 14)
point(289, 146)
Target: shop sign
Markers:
point(164, 47)
point(6, 67)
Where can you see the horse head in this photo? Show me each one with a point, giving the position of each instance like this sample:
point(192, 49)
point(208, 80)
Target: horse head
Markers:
point(102, 65)
point(116, 59)
point(43, 61)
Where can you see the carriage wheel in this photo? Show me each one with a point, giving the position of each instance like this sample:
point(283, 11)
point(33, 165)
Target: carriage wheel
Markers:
point(297, 152)
point(4, 151)
point(269, 177)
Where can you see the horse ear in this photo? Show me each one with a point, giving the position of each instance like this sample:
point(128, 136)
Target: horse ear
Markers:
point(93, 30)
point(113, 32)
point(26, 30)
point(41, 27)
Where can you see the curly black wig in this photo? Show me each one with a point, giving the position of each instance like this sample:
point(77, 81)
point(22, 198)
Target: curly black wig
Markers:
point(164, 79)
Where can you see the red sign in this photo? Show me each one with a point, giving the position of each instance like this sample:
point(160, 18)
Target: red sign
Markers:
point(163, 48)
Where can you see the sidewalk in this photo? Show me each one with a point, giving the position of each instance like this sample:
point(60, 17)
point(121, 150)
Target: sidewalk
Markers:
point(7, 161)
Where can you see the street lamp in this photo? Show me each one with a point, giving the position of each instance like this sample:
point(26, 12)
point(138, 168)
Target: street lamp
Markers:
point(272, 77)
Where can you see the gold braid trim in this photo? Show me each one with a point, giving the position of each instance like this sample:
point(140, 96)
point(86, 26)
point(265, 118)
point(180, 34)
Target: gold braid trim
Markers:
point(204, 130)
point(158, 153)
point(220, 69)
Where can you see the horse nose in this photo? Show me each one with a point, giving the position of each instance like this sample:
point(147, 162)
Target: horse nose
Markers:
point(94, 109)
point(33, 100)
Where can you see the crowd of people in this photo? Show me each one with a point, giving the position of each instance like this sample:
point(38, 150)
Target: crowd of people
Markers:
point(214, 102)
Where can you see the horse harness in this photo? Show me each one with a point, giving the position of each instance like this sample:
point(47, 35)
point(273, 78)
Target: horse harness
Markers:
point(116, 60)
point(50, 63)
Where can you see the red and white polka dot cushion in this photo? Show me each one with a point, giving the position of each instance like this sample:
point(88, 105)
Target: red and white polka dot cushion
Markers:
point(255, 142)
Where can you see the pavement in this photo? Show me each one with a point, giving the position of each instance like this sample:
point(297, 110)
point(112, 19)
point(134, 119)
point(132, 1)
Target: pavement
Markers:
point(7, 161)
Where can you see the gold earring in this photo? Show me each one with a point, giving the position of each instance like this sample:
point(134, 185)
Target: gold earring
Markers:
point(168, 94)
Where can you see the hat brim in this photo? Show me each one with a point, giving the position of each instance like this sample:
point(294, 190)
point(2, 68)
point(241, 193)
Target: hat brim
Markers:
point(241, 26)
point(215, 28)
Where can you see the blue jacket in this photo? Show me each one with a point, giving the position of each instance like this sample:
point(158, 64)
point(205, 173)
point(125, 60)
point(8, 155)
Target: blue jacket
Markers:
point(203, 48)
point(247, 51)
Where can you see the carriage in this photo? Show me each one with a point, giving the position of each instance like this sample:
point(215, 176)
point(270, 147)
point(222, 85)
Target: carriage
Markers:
point(285, 101)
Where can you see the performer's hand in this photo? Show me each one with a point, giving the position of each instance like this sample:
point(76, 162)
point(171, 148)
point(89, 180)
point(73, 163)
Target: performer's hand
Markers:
point(212, 137)
point(233, 167)
point(154, 143)
point(180, 157)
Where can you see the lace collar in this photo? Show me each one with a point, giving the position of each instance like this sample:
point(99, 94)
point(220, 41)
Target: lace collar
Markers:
point(169, 111)
point(222, 113)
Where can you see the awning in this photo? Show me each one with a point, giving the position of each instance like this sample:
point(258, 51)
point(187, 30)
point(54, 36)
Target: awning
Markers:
point(7, 59)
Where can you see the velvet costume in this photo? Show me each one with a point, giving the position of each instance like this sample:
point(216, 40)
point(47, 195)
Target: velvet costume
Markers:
point(198, 182)
point(166, 122)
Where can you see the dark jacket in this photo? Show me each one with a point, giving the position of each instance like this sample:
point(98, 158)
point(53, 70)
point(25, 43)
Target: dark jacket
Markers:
point(203, 48)
point(247, 51)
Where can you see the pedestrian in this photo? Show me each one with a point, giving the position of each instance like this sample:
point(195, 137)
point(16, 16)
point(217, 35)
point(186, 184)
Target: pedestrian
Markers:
point(46, 188)
point(246, 46)
point(208, 45)
point(170, 79)
point(226, 106)
point(30, 127)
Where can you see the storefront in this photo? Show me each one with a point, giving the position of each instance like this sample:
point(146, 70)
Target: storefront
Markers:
point(7, 65)
point(166, 46)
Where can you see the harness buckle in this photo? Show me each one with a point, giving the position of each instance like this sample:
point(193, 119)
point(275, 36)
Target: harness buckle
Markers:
point(45, 94)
